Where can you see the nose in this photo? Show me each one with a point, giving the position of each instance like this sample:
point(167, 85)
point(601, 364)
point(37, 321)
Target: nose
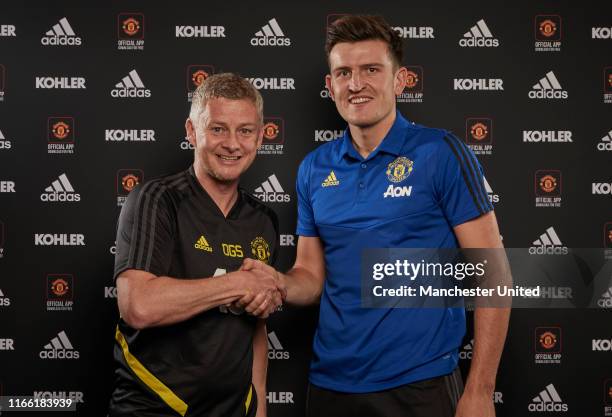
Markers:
point(355, 82)
point(231, 143)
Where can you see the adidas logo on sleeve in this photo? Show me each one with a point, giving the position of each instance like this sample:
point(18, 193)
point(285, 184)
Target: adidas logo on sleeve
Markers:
point(548, 400)
point(270, 34)
point(548, 88)
point(131, 86)
point(61, 34)
point(479, 36)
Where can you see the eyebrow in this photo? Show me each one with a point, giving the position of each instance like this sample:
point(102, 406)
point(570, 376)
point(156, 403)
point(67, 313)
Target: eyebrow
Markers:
point(371, 64)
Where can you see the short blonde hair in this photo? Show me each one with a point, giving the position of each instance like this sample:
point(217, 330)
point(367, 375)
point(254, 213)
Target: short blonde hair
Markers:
point(227, 85)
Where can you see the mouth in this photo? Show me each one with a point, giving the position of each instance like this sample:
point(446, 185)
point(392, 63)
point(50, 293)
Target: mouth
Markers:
point(359, 99)
point(229, 158)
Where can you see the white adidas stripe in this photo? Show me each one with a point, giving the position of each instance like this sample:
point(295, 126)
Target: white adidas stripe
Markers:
point(132, 80)
point(62, 184)
point(606, 138)
point(273, 342)
point(548, 238)
point(1, 293)
point(607, 294)
point(479, 30)
point(1, 135)
point(548, 395)
point(271, 185)
point(488, 188)
point(548, 82)
point(270, 29)
point(62, 28)
point(469, 346)
point(59, 342)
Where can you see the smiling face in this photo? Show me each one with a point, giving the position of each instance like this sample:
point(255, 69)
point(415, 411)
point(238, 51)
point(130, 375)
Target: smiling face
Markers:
point(226, 136)
point(364, 82)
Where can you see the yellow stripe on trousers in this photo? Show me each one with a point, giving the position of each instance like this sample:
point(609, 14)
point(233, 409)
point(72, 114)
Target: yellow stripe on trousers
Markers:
point(247, 402)
point(150, 380)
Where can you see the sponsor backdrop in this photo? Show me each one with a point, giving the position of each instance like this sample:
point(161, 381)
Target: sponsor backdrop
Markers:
point(93, 101)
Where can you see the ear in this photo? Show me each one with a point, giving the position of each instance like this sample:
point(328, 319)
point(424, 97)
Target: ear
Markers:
point(260, 136)
point(400, 80)
point(328, 84)
point(190, 132)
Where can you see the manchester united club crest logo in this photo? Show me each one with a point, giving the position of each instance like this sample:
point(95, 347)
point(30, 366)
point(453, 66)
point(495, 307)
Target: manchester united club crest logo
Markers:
point(260, 249)
point(399, 169)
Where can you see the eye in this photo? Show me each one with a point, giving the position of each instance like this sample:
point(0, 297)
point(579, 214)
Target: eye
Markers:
point(344, 73)
point(246, 131)
point(372, 70)
point(216, 129)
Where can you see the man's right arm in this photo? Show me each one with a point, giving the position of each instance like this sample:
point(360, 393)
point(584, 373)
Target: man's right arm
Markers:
point(146, 300)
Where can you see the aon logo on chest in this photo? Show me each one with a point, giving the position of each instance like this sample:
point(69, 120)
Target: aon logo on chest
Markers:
point(393, 191)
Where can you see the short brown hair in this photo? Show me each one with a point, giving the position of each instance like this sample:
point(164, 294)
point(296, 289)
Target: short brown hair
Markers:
point(354, 28)
point(226, 85)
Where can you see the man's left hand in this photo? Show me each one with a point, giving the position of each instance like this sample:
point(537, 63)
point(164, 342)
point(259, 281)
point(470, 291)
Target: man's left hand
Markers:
point(475, 404)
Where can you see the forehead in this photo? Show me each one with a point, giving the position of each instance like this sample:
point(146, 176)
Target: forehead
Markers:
point(350, 54)
point(225, 110)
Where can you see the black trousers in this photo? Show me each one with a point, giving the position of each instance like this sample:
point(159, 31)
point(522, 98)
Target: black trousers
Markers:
point(435, 397)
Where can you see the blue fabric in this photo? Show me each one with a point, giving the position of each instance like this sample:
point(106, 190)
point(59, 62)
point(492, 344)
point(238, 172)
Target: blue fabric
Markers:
point(366, 350)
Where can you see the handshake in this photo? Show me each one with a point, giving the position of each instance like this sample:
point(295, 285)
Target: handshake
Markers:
point(264, 287)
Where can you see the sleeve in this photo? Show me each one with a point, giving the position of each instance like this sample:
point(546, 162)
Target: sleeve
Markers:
point(145, 239)
point(459, 182)
point(305, 220)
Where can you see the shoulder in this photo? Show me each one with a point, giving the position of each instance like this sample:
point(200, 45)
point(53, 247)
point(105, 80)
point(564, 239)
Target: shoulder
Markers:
point(323, 153)
point(162, 190)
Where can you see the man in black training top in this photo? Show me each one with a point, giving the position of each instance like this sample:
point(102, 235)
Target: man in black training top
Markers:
point(181, 347)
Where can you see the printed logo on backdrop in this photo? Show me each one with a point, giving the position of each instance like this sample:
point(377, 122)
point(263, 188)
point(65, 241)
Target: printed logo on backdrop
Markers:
point(601, 32)
point(275, 348)
point(479, 135)
point(1, 246)
point(547, 188)
point(196, 74)
point(7, 186)
point(479, 36)
point(493, 197)
point(608, 398)
point(547, 136)
point(61, 136)
point(547, 33)
point(7, 344)
point(127, 180)
point(271, 191)
point(7, 31)
point(324, 93)
point(131, 86)
point(270, 34)
point(181, 31)
point(273, 83)
point(466, 352)
point(273, 136)
point(601, 345)
point(326, 135)
point(282, 397)
point(605, 144)
point(59, 239)
point(413, 90)
point(601, 188)
point(2, 80)
point(130, 31)
point(478, 84)
point(5, 301)
point(547, 400)
point(605, 301)
point(110, 292)
point(60, 292)
point(415, 32)
point(548, 345)
point(129, 135)
point(548, 88)
point(287, 240)
point(59, 83)
point(60, 190)
point(185, 145)
point(61, 34)
point(4, 142)
point(75, 396)
point(607, 240)
point(59, 347)
point(548, 243)
point(608, 85)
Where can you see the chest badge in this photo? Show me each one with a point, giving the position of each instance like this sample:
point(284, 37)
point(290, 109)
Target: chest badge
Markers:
point(260, 249)
point(399, 169)
point(331, 180)
point(202, 244)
